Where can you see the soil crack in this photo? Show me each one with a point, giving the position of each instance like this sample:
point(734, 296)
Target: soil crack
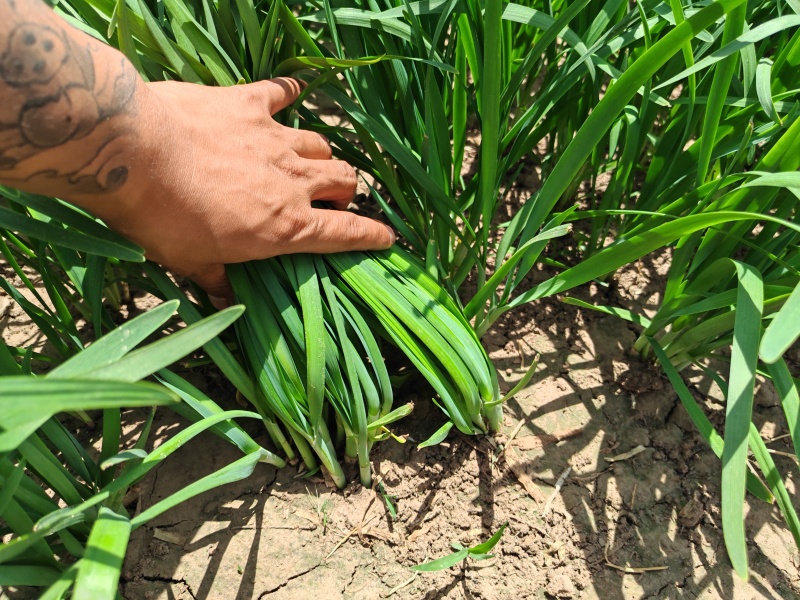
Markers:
point(170, 580)
point(286, 582)
point(350, 581)
point(174, 524)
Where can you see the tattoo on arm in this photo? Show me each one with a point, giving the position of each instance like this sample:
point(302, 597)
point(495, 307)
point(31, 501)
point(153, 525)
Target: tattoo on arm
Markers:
point(70, 103)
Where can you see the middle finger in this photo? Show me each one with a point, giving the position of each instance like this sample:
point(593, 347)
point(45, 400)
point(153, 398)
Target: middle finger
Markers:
point(334, 181)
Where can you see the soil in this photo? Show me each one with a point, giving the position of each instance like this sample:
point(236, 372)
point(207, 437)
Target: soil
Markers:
point(636, 514)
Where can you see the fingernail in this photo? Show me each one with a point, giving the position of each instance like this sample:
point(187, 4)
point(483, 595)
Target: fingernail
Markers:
point(392, 234)
point(218, 302)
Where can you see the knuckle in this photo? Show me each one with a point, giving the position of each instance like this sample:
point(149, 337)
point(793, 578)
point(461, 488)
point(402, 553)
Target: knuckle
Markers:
point(253, 96)
point(254, 106)
point(348, 174)
point(289, 226)
point(295, 221)
point(324, 145)
point(292, 167)
point(353, 229)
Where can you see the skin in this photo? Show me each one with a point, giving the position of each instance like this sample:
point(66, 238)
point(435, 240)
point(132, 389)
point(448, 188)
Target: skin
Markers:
point(200, 177)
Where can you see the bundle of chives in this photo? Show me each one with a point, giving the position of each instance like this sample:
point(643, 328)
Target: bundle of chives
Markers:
point(424, 322)
point(309, 336)
point(307, 343)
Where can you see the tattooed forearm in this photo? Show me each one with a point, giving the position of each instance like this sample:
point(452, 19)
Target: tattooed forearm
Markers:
point(66, 104)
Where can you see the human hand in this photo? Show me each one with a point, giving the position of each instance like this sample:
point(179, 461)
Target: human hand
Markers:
point(198, 176)
point(222, 182)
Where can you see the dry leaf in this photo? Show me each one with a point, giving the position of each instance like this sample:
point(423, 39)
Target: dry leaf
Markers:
point(418, 533)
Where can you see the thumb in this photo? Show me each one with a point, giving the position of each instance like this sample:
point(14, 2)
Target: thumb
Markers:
point(214, 281)
point(340, 231)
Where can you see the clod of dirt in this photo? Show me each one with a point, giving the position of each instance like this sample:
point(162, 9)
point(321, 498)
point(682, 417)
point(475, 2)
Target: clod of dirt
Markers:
point(560, 586)
point(691, 514)
point(639, 381)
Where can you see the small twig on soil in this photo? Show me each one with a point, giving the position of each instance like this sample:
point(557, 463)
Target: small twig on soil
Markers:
point(626, 455)
point(635, 570)
point(534, 442)
point(514, 432)
point(630, 570)
point(407, 582)
point(357, 529)
point(378, 534)
point(348, 535)
point(366, 512)
point(775, 439)
point(559, 485)
point(590, 476)
point(633, 495)
point(371, 502)
point(291, 527)
point(397, 588)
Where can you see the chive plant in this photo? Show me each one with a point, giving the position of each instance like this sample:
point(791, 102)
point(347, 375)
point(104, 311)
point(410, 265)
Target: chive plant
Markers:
point(688, 110)
point(62, 516)
point(61, 507)
point(308, 346)
point(413, 116)
point(426, 324)
point(309, 337)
